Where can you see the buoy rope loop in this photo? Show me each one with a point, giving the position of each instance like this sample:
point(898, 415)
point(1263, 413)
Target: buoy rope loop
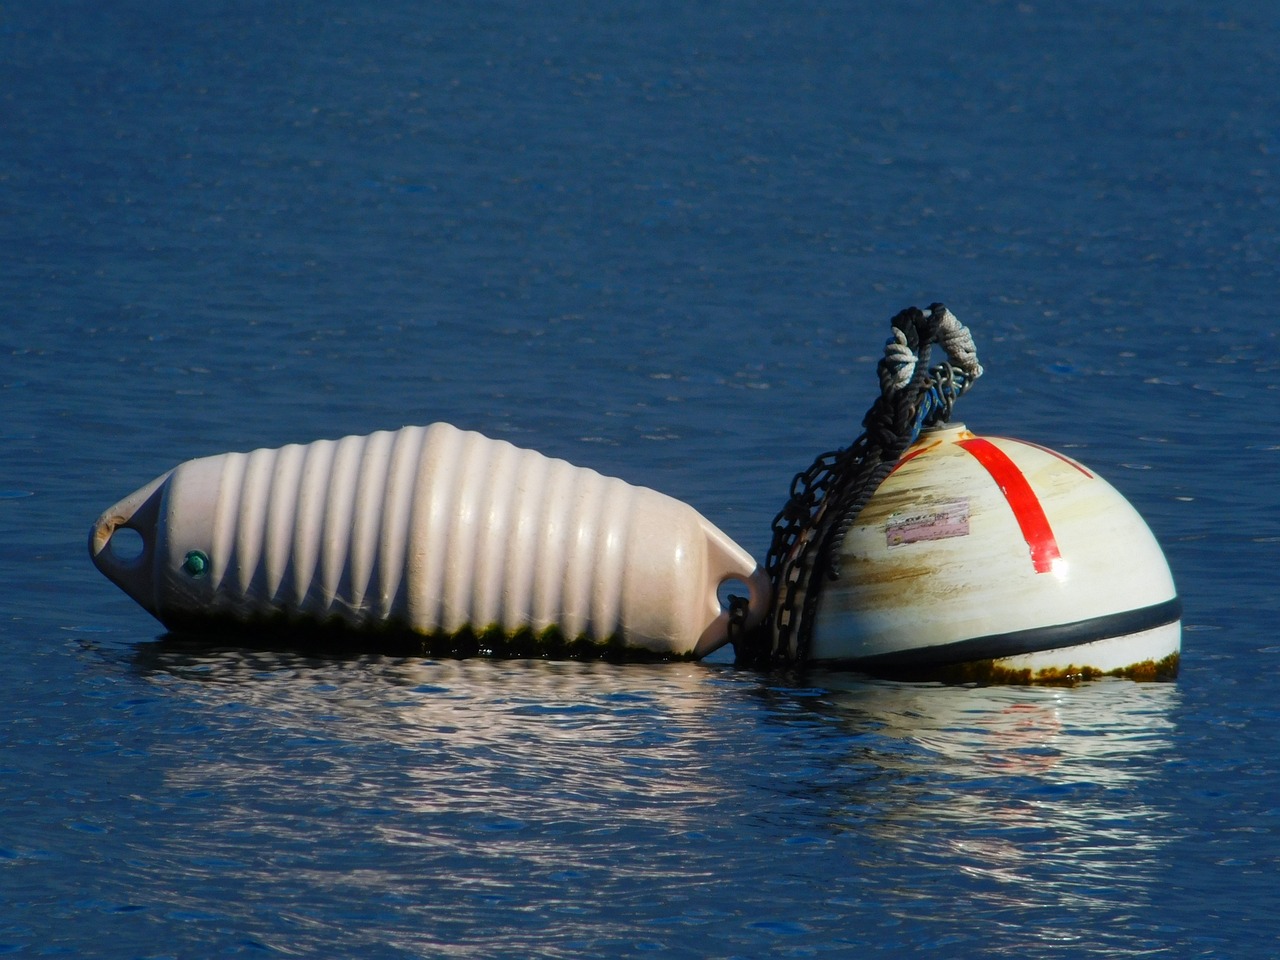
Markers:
point(958, 343)
point(826, 498)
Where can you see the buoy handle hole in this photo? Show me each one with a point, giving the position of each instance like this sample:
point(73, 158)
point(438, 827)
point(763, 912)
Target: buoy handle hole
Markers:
point(126, 545)
point(754, 589)
point(733, 587)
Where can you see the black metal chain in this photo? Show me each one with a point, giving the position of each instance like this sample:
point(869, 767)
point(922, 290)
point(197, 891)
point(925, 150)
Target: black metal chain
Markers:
point(826, 498)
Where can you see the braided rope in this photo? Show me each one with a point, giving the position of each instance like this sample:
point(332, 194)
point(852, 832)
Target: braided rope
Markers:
point(958, 342)
point(899, 363)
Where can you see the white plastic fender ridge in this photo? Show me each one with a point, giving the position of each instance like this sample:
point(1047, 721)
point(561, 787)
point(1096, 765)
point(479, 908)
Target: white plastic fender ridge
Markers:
point(993, 550)
point(431, 529)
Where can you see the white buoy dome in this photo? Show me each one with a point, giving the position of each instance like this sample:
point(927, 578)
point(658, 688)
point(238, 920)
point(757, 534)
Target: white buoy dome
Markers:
point(993, 558)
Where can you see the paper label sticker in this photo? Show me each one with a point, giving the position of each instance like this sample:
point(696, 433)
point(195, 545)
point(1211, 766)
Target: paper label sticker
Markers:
point(944, 521)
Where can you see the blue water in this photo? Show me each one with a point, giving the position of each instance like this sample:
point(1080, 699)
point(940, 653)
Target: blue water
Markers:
point(662, 240)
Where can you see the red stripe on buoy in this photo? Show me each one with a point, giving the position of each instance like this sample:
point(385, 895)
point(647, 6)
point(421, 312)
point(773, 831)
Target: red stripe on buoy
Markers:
point(1022, 499)
point(912, 455)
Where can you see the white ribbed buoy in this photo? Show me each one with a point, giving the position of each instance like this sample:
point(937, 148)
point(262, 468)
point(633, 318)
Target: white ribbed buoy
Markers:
point(1002, 554)
point(430, 529)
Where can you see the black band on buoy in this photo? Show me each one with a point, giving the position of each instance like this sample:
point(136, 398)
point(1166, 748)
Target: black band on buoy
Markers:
point(997, 646)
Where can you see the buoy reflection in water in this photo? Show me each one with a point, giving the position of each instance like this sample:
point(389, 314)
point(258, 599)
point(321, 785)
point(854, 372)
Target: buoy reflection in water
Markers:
point(563, 735)
point(1043, 792)
point(526, 804)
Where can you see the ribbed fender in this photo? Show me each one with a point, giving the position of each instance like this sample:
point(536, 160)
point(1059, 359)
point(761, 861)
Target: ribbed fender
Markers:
point(433, 529)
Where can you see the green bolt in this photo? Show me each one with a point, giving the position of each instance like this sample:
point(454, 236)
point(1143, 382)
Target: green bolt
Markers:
point(195, 564)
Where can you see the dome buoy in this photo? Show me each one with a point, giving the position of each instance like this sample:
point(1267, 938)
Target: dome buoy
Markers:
point(1002, 556)
point(926, 551)
point(469, 543)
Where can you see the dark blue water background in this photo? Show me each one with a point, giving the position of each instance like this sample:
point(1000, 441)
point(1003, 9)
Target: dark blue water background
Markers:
point(662, 240)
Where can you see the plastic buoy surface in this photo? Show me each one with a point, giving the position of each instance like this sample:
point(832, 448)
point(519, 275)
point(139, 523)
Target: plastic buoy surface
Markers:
point(1004, 554)
point(430, 529)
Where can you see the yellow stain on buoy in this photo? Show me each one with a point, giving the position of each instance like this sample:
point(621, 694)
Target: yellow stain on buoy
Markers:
point(988, 558)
